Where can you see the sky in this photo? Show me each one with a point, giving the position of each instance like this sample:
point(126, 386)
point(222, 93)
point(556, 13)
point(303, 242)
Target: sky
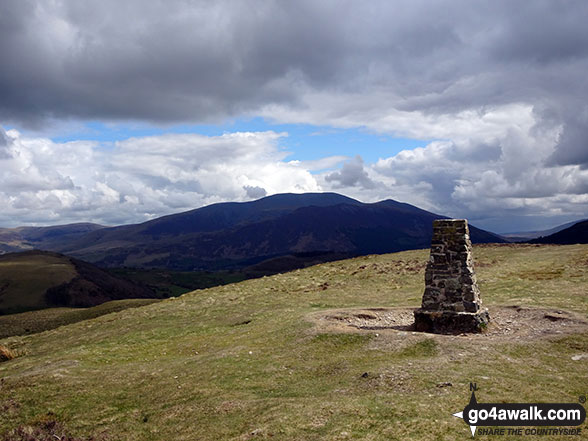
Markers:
point(119, 111)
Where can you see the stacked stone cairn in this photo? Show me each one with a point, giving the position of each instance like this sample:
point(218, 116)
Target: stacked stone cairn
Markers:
point(451, 301)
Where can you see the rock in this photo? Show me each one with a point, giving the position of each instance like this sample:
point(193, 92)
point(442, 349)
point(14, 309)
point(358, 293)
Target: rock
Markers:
point(554, 317)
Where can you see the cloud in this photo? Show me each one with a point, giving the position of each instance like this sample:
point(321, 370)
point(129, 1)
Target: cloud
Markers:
point(198, 61)
point(503, 92)
point(327, 163)
point(352, 174)
point(498, 184)
point(44, 182)
point(254, 192)
point(572, 146)
point(174, 61)
point(5, 142)
point(489, 181)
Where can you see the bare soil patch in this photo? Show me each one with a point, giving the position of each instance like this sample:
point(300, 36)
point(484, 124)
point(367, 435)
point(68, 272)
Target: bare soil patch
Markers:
point(48, 429)
point(507, 322)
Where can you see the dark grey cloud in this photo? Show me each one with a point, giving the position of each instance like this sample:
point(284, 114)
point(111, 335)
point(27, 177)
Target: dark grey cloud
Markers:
point(162, 61)
point(572, 146)
point(200, 60)
point(254, 192)
point(541, 33)
point(352, 174)
point(4, 144)
point(3, 137)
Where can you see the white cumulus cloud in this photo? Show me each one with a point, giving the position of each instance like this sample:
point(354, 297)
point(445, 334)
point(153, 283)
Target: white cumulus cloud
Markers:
point(47, 182)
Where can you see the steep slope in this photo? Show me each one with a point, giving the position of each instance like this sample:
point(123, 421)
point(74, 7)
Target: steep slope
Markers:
point(38, 279)
point(577, 233)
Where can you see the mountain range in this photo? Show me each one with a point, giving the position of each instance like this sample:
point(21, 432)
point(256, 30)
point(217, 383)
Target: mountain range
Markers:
point(523, 236)
point(27, 238)
point(316, 226)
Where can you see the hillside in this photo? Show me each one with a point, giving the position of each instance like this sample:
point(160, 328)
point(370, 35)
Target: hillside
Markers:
point(27, 238)
point(312, 226)
point(522, 236)
point(38, 279)
point(275, 358)
point(577, 233)
point(32, 322)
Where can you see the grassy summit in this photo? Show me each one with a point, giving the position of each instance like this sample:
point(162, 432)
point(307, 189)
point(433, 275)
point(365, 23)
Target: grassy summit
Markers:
point(252, 360)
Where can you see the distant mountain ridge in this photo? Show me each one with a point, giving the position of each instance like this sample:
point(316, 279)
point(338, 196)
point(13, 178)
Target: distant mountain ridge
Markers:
point(28, 238)
point(215, 217)
point(577, 233)
point(522, 236)
point(236, 235)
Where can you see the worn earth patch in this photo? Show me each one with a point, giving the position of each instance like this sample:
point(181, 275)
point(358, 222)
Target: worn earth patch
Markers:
point(506, 323)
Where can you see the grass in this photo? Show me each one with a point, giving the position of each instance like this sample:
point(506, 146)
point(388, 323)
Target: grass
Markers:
point(242, 361)
point(32, 322)
point(174, 283)
point(424, 348)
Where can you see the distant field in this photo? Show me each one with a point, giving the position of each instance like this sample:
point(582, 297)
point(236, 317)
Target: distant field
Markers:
point(248, 360)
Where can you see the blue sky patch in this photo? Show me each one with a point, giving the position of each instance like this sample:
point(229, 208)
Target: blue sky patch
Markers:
point(304, 141)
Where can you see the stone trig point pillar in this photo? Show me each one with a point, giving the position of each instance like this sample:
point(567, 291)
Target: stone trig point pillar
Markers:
point(451, 301)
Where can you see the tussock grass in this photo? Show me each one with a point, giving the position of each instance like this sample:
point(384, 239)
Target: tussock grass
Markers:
point(6, 354)
point(47, 429)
